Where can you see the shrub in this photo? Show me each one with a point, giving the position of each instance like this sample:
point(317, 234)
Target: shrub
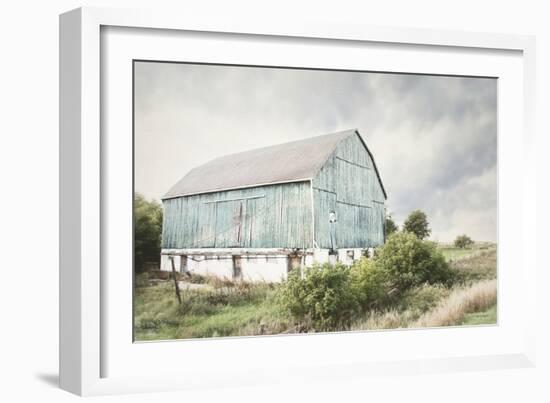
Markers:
point(423, 298)
point(408, 261)
point(463, 241)
point(195, 278)
point(323, 296)
point(369, 283)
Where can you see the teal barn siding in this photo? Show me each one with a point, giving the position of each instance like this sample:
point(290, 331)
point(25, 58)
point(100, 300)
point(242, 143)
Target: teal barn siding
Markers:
point(275, 216)
point(280, 197)
point(348, 184)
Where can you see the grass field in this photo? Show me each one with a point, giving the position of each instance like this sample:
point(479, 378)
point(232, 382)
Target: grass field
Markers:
point(452, 253)
point(480, 318)
point(220, 308)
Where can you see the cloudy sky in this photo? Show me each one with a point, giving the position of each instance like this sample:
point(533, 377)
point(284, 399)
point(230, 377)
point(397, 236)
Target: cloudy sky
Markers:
point(434, 138)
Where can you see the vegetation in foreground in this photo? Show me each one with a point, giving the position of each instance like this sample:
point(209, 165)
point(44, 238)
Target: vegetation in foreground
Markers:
point(215, 309)
point(410, 283)
point(481, 318)
point(435, 307)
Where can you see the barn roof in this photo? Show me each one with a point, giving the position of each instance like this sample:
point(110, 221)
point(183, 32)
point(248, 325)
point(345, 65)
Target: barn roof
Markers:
point(282, 163)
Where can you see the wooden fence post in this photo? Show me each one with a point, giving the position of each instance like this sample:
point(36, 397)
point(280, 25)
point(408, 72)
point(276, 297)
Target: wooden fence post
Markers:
point(175, 279)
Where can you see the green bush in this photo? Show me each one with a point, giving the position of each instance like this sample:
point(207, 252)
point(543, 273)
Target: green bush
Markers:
point(369, 284)
point(329, 297)
point(423, 298)
point(323, 296)
point(408, 261)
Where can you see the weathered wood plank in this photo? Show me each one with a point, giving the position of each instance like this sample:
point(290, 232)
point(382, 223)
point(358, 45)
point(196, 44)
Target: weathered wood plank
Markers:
point(261, 217)
point(348, 185)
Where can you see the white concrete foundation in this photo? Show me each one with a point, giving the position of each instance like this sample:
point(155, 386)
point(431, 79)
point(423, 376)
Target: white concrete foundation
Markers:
point(272, 270)
point(166, 264)
point(348, 256)
point(254, 268)
point(222, 268)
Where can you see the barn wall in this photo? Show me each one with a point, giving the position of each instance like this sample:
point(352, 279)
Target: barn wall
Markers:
point(276, 216)
point(348, 184)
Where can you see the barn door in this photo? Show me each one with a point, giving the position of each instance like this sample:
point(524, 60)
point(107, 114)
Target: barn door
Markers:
point(229, 223)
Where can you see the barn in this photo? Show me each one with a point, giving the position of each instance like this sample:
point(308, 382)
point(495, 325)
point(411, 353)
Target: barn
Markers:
point(257, 214)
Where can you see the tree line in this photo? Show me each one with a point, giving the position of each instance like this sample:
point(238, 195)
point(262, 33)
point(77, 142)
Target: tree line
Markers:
point(417, 224)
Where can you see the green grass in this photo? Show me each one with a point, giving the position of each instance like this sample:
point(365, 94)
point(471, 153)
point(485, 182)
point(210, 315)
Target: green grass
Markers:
point(228, 310)
point(487, 317)
point(453, 253)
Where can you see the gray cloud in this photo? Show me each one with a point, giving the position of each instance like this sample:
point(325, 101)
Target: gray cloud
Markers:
point(434, 138)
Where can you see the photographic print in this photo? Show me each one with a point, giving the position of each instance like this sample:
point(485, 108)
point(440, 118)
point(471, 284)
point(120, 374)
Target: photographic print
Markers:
point(272, 200)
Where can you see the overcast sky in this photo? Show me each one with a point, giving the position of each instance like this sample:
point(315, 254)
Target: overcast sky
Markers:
point(434, 138)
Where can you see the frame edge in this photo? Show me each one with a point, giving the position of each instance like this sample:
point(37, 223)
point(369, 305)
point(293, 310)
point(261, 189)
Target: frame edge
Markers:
point(70, 120)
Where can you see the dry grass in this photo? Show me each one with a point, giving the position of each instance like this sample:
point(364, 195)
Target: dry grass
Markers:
point(449, 312)
point(481, 266)
point(391, 319)
point(479, 297)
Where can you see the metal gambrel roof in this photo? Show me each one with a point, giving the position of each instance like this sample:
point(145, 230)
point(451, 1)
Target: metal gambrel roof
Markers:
point(282, 163)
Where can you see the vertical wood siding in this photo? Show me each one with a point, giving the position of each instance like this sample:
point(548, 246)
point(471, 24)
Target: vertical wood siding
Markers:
point(276, 216)
point(348, 184)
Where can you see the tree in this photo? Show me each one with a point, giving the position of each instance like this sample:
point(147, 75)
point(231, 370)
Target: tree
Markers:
point(390, 226)
point(417, 223)
point(147, 231)
point(463, 241)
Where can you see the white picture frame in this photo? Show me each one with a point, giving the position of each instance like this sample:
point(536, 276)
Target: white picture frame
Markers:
point(88, 336)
